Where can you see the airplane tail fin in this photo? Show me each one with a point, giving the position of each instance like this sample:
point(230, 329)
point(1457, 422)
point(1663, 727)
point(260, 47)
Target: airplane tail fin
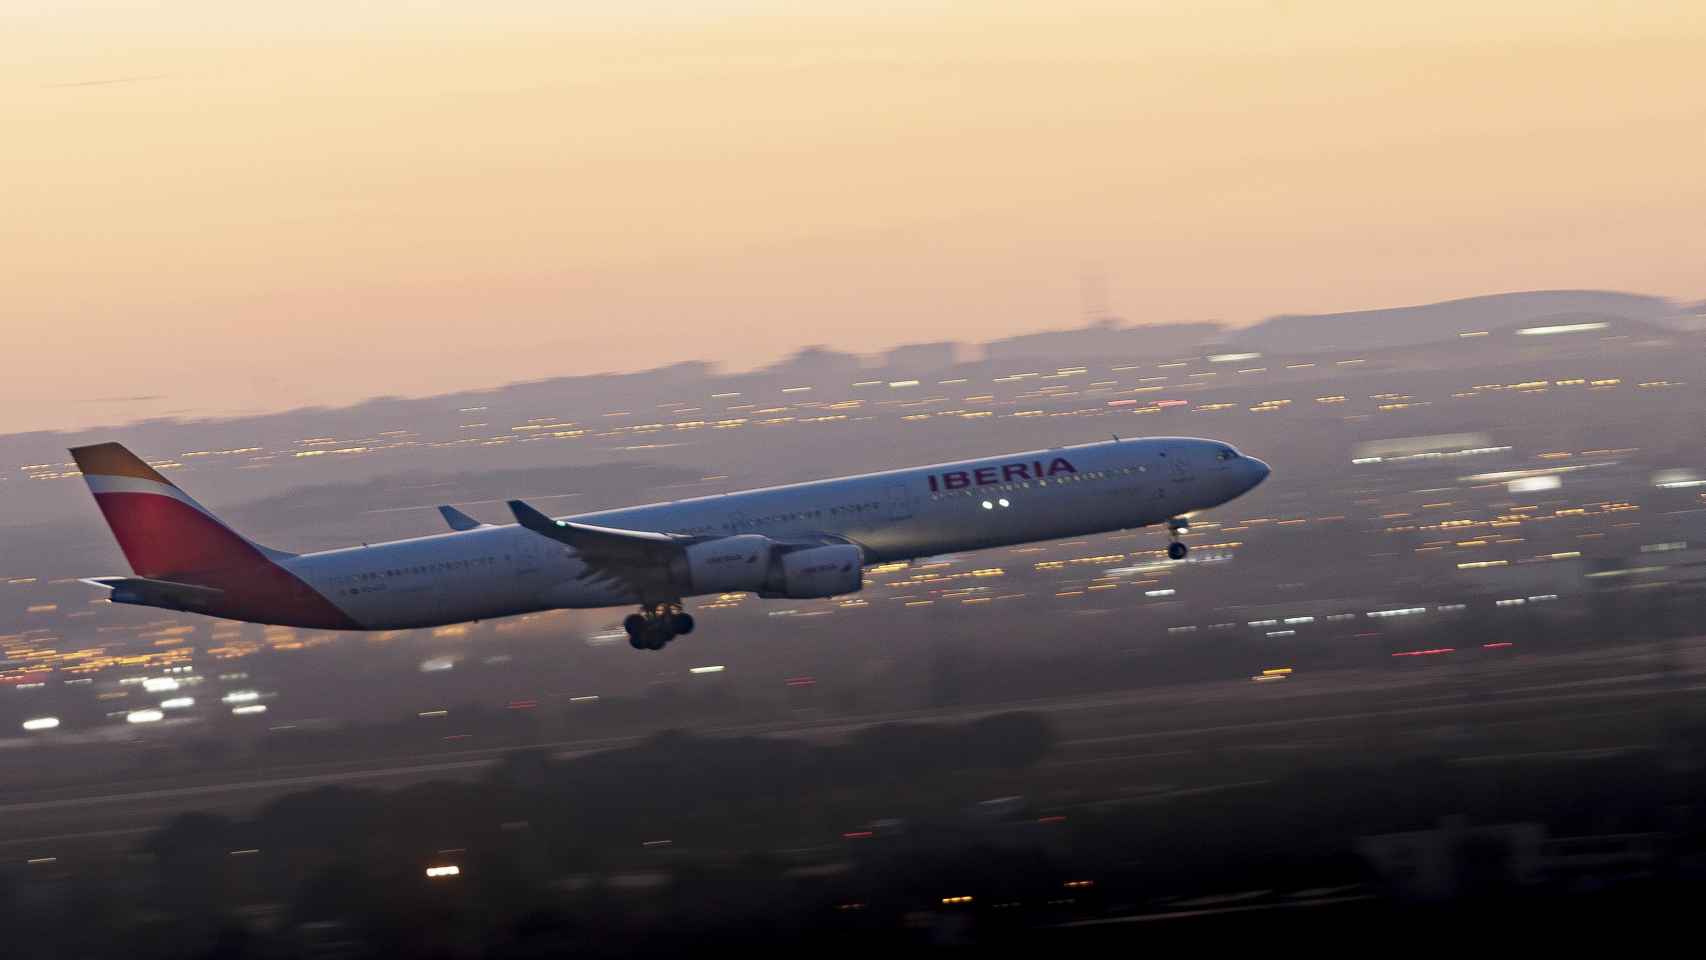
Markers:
point(163, 532)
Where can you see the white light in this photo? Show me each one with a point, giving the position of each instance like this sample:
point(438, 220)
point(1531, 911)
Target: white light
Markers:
point(177, 703)
point(1399, 612)
point(1159, 593)
point(41, 723)
point(1562, 328)
point(450, 871)
point(143, 716)
point(437, 663)
point(988, 506)
point(251, 708)
point(240, 696)
point(1233, 357)
point(159, 684)
point(1004, 502)
point(1677, 479)
point(1534, 484)
point(717, 668)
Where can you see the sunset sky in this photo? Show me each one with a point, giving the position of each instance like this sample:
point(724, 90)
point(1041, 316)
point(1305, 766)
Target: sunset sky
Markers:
point(244, 207)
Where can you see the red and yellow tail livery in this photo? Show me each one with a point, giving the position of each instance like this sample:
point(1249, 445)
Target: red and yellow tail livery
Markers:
point(182, 550)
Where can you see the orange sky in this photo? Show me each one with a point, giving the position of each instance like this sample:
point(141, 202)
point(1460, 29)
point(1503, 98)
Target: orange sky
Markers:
point(313, 205)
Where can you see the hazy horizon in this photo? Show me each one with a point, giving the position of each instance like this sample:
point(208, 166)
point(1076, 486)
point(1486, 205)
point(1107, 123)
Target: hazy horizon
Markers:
point(230, 211)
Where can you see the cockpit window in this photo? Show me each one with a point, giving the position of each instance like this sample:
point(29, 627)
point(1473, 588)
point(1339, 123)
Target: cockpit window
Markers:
point(1226, 453)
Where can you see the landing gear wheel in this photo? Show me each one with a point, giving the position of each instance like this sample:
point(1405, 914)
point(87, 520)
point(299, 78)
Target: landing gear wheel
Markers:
point(656, 625)
point(636, 625)
point(1177, 550)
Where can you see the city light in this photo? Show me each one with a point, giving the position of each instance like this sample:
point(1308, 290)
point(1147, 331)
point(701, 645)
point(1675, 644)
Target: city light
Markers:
point(1562, 328)
point(1534, 484)
point(41, 723)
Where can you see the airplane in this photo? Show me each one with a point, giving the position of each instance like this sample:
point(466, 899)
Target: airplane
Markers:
point(799, 541)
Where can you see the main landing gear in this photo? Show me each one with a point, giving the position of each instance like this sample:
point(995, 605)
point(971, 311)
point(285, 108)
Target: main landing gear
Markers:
point(656, 625)
point(1175, 527)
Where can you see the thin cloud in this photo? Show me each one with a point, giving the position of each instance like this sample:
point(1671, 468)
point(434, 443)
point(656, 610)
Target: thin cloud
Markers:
point(105, 83)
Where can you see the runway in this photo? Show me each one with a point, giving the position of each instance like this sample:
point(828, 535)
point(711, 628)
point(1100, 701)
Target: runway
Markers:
point(1247, 726)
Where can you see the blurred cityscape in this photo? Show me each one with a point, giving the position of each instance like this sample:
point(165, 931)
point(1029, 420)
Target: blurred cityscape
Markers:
point(1448, 660)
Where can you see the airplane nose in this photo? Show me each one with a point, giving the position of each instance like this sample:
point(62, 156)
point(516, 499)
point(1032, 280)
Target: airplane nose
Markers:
point(1258, 471)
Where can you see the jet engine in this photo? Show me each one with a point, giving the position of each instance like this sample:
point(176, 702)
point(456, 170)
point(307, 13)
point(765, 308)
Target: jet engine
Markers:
point(736, 564)
point(750, 562)
point(817, 572)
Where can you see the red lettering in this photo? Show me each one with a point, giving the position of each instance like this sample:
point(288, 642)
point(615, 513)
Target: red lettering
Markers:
point(985, 475)
point(1014, 471)
point(956, 479)
point(1059, 465)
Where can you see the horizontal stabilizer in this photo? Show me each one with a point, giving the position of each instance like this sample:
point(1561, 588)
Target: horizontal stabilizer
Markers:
point(147, 592)
point(457, 519)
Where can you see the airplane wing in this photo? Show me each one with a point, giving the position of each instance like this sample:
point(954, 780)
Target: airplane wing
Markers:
point(638, 557)
point(641, 558)
point(457, 519)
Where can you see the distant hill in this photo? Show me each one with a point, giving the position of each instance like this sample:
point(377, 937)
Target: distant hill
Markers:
point(1106, 339)
point(1691, 317)
point(1404, 326)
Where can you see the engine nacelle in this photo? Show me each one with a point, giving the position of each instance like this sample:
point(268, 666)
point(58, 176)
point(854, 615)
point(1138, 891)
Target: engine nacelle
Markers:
point(817, 572)
point(736, 564)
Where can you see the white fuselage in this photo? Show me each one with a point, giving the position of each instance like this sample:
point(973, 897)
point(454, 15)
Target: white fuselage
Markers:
point(495, 571)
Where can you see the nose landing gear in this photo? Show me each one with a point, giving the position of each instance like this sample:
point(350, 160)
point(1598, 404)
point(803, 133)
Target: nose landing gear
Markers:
point(1176, 527)
point(656, 625)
